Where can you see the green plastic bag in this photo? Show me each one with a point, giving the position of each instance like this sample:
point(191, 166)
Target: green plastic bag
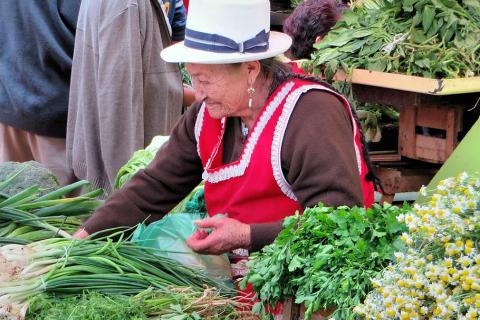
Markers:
point(168, 235)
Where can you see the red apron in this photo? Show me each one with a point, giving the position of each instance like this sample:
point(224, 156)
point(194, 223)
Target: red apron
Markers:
point(254, 189)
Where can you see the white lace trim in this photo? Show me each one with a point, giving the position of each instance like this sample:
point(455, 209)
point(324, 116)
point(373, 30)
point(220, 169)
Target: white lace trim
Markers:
point(238, 169)
point(279, 134)
point(198, 126)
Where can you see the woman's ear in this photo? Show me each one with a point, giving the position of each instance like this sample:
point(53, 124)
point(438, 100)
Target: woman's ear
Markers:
point(253, 70)
point(318, 39)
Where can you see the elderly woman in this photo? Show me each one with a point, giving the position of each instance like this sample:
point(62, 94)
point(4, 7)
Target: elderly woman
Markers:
point(266, 142)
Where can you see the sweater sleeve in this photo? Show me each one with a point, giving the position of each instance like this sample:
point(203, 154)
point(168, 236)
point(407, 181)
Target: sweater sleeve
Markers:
point(318, 153)
point(179, 21)
point(153, 192)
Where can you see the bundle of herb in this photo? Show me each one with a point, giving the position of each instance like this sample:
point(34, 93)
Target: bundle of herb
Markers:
point(438, 276)
point(87, 306)
point(429, 38)
point(325, 258)
point(169, 303)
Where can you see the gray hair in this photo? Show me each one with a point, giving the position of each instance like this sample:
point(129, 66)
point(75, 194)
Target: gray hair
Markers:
point(276, 70)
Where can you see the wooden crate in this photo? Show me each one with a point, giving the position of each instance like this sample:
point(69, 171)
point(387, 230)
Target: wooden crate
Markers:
point(437, 104)
point(397, 179)
point(395, 81)
point(292, 311)
point(424, 145)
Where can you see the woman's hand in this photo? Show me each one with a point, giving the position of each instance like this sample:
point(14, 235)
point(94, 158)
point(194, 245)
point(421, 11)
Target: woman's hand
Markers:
point(226, 234)
point(80, 234)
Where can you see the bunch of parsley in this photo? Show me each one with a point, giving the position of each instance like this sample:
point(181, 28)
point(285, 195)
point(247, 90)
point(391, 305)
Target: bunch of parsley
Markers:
point(325, 258)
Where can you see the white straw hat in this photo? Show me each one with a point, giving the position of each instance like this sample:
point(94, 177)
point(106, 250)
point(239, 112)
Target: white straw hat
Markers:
point(227, 31)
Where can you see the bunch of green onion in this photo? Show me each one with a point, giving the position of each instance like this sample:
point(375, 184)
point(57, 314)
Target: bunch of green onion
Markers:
point(64, 266)
point(26, 216)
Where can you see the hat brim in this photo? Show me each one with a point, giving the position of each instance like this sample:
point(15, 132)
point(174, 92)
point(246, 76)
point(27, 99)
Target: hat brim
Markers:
point(278, 43)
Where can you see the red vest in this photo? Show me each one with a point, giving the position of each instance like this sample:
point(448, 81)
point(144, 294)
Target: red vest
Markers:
point(253, 189)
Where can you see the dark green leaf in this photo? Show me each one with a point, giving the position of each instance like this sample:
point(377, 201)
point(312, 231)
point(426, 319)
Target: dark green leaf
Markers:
point(427, 17)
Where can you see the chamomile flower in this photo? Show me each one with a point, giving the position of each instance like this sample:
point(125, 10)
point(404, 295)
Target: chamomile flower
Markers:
point(438, 275)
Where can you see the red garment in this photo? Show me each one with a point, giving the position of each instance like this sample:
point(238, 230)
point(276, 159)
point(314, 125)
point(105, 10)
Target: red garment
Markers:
point(295, 68)
point(185, 3)
point(247, 189)
point(253, 189)
point(250, 189)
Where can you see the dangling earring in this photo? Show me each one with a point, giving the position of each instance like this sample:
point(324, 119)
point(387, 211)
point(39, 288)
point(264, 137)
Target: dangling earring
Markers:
point(250, 91)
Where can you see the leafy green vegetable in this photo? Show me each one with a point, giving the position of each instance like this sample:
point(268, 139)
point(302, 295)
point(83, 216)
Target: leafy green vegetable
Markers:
point(139, 160)
point(186, 79)
point(89, 306)
point(169, 303)
point(326, 257)
point(429, 38)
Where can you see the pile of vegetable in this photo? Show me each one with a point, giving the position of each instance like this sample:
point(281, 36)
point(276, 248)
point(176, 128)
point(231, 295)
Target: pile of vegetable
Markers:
point(46, 275)
point(31, 215)
point(33, 260)
point(429, 38)
point(139, 160)
point(373, 117)
point(438, 275)
point(169, 303)
point(186, 79)
point(325, 258)
point(63, 266)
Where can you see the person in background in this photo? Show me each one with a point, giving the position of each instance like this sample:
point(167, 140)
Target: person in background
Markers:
point(175, 11)
point(308, 24)
point(37, 40)
point(122, 93)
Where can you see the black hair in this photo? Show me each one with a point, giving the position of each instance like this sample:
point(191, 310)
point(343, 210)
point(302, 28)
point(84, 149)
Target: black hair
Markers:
point(309, 20)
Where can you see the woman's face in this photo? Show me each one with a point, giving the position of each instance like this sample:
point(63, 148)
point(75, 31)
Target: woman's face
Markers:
point(223, 88)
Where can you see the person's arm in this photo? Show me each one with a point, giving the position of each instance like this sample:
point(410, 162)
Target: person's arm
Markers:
point(318, 153)
point(179, 21)
point(151, 193)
